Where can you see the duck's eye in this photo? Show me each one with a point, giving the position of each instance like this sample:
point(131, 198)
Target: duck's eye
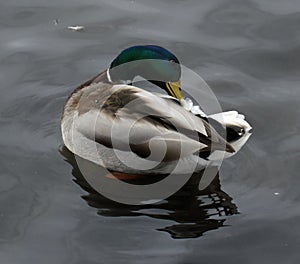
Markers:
point(172, 61)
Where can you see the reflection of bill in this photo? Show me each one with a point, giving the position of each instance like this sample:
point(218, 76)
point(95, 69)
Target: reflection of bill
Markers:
point(193, 212)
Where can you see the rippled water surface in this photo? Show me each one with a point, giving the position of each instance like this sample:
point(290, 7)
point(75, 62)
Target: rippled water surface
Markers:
point(247, 51)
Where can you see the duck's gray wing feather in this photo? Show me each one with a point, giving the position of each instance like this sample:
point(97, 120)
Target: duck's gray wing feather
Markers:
point(132, 119)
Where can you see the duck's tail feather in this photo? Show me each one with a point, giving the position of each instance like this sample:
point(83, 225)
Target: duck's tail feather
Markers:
point(237, 130)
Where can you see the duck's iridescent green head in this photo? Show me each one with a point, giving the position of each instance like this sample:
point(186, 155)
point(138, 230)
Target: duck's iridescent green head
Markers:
point(151, 62)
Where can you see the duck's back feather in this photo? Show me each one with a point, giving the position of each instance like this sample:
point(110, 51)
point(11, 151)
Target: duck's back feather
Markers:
point(130, 119)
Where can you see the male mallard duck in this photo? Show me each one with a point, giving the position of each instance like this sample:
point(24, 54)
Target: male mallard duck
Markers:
point(127, 129)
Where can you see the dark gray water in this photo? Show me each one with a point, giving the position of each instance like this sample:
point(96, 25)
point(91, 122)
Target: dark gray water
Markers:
point(248, 51)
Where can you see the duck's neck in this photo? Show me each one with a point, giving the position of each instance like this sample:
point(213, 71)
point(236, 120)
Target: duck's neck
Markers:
point(108, 76)
point(101, 77)
point(105, 77)
point(112, 77)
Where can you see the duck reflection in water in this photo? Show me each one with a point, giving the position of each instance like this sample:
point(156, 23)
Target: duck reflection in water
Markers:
point(193, 211)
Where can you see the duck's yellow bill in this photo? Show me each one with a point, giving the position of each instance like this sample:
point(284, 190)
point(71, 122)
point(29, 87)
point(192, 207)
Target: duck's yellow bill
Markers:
point(174, 89)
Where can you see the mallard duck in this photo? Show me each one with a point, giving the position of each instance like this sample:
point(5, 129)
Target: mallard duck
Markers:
point(128, 129)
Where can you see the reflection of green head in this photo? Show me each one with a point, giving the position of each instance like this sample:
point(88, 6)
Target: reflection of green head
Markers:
point(151, 62)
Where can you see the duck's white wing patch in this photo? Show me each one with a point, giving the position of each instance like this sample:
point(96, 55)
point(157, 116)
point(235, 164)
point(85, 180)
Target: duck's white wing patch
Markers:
point(232, 118)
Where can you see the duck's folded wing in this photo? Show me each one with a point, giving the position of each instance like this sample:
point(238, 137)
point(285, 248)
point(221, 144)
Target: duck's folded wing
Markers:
point(135, 120)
